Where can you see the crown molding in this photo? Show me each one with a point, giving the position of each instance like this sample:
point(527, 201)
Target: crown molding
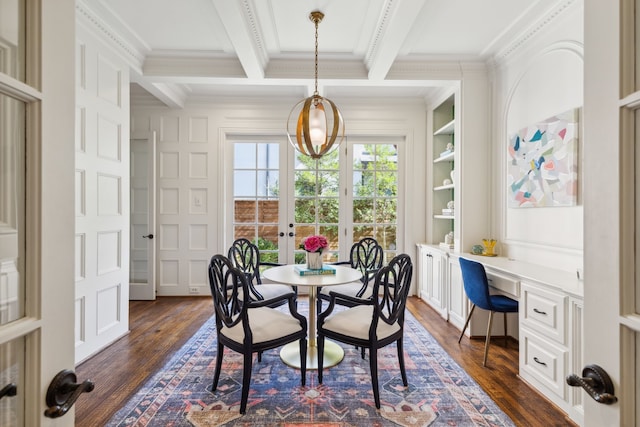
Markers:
point(87, 15)
point(534, 29)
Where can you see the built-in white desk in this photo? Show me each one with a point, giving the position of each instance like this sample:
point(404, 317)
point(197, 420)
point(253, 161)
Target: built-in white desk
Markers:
point(564, 281)
point(548, 326)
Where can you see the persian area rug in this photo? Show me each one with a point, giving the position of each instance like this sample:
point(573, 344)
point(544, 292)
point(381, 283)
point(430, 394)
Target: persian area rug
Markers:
point(440, 393)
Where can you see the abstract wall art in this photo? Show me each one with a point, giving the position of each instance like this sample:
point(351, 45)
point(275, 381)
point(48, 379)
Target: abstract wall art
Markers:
point(542, 165)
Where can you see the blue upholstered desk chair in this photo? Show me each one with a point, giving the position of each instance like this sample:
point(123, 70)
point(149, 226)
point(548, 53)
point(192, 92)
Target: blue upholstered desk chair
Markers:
point(476, 286)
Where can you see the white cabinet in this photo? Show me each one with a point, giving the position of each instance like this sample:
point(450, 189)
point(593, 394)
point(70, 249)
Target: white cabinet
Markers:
point(431, 277)
point(441, 285)
point(457, 301)
point(551, 344)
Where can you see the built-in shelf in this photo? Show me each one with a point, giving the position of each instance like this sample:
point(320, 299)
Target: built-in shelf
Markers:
point(444, 187)
point(446, 158)
point(446, 129)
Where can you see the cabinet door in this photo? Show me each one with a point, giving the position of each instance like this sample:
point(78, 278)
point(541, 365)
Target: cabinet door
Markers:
point(425, 266)
point(458, 302)
point(437, 298)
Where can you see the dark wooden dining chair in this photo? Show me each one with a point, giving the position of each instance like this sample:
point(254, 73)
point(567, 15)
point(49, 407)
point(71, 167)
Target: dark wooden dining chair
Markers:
point(367, 256)
point(248, 326)
point(246, 256)
point(373, 324)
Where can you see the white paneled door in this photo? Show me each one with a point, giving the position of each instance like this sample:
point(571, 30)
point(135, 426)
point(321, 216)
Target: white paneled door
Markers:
point(142, 285)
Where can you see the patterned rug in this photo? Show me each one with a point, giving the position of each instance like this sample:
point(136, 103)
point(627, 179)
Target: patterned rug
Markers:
point(440, 393)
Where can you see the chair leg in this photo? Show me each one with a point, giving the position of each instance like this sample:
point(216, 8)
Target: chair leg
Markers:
point(373, 365)
point(403, 372)
point(320, 349)
point(506, 343)
point(246, 380)
point(303, 360)
point(259, 356)
point(318, 303)
point(216, 374)
point(473, 307)
point(486, 344)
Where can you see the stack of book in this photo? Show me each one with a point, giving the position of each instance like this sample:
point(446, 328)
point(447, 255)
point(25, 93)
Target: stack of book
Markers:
point(304, 271)
point(444, 245)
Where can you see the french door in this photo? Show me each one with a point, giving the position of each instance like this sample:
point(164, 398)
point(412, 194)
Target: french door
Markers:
point(612, 206)
point(277, 196)
point(37, 106)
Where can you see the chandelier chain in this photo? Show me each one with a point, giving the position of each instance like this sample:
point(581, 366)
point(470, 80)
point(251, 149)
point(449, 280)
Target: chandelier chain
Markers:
point(316, 59)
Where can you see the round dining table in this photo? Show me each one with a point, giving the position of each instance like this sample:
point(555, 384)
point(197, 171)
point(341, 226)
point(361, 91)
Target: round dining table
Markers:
point(289, 275)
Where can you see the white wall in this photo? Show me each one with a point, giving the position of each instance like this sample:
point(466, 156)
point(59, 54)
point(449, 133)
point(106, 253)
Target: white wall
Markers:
point(195, 137)
point(533, 81)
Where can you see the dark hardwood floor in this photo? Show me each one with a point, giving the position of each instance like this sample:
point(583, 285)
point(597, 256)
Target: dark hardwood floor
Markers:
point(158, 328)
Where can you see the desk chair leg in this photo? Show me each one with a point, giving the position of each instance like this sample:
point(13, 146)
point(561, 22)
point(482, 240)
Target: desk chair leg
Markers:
point(486, 344)
point(473, 307)
point(505, 330)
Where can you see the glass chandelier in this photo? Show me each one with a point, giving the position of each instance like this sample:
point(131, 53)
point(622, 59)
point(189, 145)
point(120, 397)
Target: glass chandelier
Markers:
point(315, 124)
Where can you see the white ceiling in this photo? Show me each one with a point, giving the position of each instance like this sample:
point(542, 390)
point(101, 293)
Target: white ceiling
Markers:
point(253, 48)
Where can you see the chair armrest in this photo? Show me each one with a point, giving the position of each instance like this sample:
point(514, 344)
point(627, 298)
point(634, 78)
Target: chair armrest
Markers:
point(361, 301)
point(341, 263)
point(271, 264)
point(267, 302)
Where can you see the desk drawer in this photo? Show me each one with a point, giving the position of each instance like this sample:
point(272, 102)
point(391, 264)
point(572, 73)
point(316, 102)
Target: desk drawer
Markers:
point(543, 361)
point(544, 311)
point(506, 284)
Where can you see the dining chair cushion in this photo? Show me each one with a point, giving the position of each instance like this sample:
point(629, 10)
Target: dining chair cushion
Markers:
point(266, 324)
point(350, 289)
point(269, 290)
point(356, 322)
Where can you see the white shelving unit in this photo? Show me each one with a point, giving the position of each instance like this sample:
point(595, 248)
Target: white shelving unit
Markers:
point(443, 169)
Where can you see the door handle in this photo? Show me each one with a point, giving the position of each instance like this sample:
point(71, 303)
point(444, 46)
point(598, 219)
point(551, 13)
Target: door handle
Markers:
point(9, 390)
point(148, 236)
point(281, 234)
point(63, 393)
point(291, 234)
point(596, 382)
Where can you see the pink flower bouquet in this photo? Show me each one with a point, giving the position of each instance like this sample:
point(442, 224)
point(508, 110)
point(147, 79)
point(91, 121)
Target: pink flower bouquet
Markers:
point(314, 243)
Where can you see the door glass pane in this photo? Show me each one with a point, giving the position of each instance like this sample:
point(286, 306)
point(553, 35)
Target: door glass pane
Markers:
point(316, 193)
point(256, 193)
point(139, 212)
point(12, 208)
point(12, 38)
point(637, 209)
point(637, 44)
point(12, 375)
point(375, 194)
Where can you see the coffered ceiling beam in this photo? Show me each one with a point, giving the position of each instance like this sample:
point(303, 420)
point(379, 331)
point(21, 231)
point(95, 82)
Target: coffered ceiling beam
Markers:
point(244, 31)
point(395, 22)
point(171, 94)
